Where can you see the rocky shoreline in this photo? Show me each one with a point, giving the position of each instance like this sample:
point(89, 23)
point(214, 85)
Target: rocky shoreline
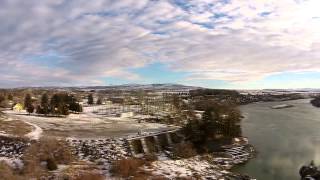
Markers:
point(103, 152)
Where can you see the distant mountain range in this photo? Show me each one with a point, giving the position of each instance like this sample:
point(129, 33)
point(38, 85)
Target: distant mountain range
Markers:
point(141, 87)
point(167, 87)
point(158, 87)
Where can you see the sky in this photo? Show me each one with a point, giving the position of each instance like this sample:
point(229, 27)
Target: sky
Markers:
point(232, 44)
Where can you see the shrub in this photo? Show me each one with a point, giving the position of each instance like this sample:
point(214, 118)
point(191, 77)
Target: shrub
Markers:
point(47, 150)
point(184, 150)
point(80, 170)
point(32, 166)
point(89, 176)
point(7, 173)
point(51, 164)
point(126, 167)
point(150, 157)
point(60, 151)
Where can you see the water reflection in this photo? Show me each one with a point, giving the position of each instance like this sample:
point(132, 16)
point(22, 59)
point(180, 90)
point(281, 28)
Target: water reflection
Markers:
point(285, 139)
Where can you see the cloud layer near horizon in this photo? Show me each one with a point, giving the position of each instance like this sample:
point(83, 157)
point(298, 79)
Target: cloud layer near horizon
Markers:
point(73, 42)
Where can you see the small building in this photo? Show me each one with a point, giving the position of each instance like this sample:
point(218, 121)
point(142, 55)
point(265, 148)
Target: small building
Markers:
point(127, 115)
point(18, 107)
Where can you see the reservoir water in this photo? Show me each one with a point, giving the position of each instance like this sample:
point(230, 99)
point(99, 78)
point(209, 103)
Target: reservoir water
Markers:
point(285, 139)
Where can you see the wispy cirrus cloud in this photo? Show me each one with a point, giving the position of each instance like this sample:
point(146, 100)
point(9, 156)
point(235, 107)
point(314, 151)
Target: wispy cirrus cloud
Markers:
point(83, 42)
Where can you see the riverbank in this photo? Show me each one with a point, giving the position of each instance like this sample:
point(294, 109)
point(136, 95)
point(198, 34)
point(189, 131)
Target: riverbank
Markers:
point(250, 98)
point(103, 152)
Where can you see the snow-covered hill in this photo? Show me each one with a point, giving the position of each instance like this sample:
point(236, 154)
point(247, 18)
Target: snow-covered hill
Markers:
point(157, 87)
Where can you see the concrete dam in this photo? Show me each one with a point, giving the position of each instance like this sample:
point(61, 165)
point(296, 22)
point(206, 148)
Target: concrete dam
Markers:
point(154, 142)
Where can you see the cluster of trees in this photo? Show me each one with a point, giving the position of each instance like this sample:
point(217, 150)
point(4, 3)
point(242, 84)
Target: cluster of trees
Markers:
point(58, 104)
point(214, 92)
point(219, 124)
point(91, 100)
point(3, 99)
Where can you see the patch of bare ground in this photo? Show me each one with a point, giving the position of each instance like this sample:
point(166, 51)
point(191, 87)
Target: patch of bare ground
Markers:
point(15, 127)
point(81, 171)
point(132, 168)
point(184, 150)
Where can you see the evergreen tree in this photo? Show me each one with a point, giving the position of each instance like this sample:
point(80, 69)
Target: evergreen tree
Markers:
point(28, 104)
point(2, 98)
point(10, 97)
point(30, 109)
point(76, 107)
point(210, 124)
point(63, 109)
point(45, 104)
point(62, 103)
point(27, 101)
point(55, 104)
point(73, 104)
point(99, 101)
point(39, 110)
point(194, 133)
point(90, 99)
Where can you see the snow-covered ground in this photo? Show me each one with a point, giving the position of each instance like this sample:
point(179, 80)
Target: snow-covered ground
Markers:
point(36, 133)
point(191, 167)
point(11, 147)
point(84, 125)
point(100, 150)
point(3, 133)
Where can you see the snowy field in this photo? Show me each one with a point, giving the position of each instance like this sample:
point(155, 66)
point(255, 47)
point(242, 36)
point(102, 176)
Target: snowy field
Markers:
point(84, 125)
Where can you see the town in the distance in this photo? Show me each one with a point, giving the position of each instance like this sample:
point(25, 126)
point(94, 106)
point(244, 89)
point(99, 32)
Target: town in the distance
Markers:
point(154, 131)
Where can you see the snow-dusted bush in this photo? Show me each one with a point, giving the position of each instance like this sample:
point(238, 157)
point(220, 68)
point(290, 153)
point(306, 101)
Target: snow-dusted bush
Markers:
point(7, 173)
point(126, 167)
point(44, 155)
point(184, 150)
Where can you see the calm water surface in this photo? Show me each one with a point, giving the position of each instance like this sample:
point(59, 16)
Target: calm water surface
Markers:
point(285, 139)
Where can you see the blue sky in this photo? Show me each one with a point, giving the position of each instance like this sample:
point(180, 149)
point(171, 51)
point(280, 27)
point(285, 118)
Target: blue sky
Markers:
point(232, 44)
point(159, 73)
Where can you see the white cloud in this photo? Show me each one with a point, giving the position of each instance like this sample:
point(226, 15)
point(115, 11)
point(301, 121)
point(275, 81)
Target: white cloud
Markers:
point(210, 39)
